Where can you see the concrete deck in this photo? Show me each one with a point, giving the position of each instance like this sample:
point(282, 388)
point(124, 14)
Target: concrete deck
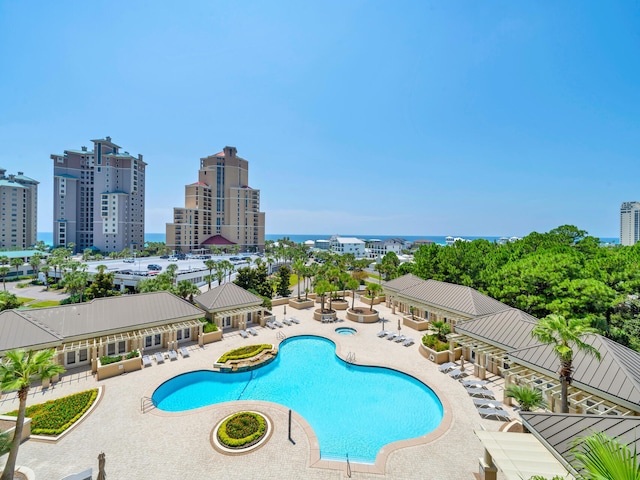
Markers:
point(161, 445)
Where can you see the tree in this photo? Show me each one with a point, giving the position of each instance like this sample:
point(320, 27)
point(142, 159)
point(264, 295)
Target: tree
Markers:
point(18, 370)
point(187, 289)
point(604, 458)
point(298, 267)
point(373, 289)
point(3, 273)
point(45, 269)
point(102, 284)
point(528, 398)
point(564, 335)
point(75, 281)
point(353, 284)
point(282, 288)
point(34, 262)
point(8, 301)
point(17, 263)
point(210, 264)
point(321, 287)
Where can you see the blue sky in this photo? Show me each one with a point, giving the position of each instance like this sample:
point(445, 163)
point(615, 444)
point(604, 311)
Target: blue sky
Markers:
point(379, 117)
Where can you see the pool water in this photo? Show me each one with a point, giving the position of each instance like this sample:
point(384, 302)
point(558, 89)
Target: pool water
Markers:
point(346, 331)
point(353, 410)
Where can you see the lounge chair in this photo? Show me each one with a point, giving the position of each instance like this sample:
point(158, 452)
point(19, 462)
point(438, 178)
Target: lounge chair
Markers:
point(480, 392)
point(400, 339)
point(392, 336)
point(159, 357)
point(494, 414)
point(244, 334)
point(184, 352)
point(474, 383)
point(457, 373)
point(252, 331)
point(173, 355)
point(146, 361)
point(286, 321)
point(484, 403)
point(270, 325)
point(295, 320)
point(278, 324)
point(382, 333)
point(447, 367)
point(408, 342)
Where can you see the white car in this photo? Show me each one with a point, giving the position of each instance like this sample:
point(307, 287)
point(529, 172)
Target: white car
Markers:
point(129, 260)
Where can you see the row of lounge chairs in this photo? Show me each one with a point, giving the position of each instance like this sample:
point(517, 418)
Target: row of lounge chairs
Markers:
point(396, 337)
point(330, 319)
point(159, 356)
point(250, 330)
point(273, 324)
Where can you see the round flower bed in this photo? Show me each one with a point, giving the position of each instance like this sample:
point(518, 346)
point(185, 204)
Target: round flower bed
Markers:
point(241, 433)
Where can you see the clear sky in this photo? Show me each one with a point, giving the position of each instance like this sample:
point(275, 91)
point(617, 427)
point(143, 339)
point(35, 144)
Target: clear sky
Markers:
point(375, 117)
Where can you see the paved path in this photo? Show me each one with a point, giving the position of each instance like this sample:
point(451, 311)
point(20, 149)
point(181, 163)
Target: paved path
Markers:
point(161, 445)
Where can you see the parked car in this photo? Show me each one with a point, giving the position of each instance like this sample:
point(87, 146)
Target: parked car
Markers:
point(154, 266)
point(173, 259)
point(129, 260)
point(164, 257)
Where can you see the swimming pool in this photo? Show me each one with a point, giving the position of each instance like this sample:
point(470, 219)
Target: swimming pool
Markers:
point(353, 410)
point(346, 331)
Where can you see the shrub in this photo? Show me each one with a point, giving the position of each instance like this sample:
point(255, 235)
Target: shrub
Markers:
point(106, 360)
point(244, 352)
point(241, 429)
point(133, 354)
point(210, 327)
point(55, 416)
point(434, 343)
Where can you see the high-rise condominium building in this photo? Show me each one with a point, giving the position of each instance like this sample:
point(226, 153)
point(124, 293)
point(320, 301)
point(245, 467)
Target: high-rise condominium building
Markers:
point(19, 214)
point(220, 208)
point(98, 198)
point(629, 223)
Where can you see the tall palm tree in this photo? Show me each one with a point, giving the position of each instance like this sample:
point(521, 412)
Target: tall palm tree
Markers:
point(564, 335)
point(605, 458)
point(18, 370)
point(3, 273)
point(373, 289)
point(528, 398)
point(353, 284)
point(298, 266)
point(45, 269)
point(210, 264)
point(34, 262)
point(17, 263)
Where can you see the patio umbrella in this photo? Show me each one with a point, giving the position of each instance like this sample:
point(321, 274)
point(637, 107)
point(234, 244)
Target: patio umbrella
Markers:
point(399, 326)
point(101, 473)
point(462, 363)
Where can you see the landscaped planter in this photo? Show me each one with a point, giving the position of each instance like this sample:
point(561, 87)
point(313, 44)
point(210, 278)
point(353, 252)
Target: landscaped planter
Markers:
point(318, 315)
point(416, 323)
point(299, 305)
point(433, 356)
point(376, 300)
point(362, 317)
point(118, 368)
point(339, 304)
point(212, 337)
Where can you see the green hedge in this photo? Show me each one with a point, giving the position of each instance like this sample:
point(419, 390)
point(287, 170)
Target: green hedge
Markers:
point(244, 352)
point(241, 429)
point(209, 327)
point(55, 416)
point(106, 360)
point(434, 343)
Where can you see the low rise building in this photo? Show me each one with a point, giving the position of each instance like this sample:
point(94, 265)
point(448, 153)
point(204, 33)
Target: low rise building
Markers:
point(342, 245)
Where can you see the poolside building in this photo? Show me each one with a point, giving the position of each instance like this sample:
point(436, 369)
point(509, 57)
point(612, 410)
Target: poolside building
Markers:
point(231, 306)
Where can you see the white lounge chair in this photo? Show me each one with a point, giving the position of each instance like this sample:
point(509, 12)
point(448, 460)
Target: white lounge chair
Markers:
point(270, 325)
point(457, 373)
point(392, 336)
point(400, 339)
point(408, 342)
point(252, 331)
point(473, 383)
point(295, 320)
point(146, 361)
point(480, 392)
point(447, 367)
point(244, 334)
point(159, 357)
point(286, 321)
point(278, 324)
point(173, 355)
point(484, 403)
point(382, 333)
point(494, 414)
point(184, 352)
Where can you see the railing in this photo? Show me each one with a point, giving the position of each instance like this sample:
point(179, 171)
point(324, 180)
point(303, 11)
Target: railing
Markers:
point(348, 467)
point(144, 401)
point(351, 357)
point(281, 336)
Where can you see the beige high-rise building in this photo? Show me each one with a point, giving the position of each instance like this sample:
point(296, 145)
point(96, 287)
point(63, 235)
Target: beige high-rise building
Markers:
point(220, 209)
point(19, 214)
point(629, 223)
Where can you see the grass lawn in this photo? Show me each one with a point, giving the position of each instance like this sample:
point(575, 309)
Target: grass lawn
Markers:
point(44, 303)
point(24, 300)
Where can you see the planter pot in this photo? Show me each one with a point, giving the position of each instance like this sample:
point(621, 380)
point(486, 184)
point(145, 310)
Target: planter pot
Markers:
point(433, 356)
point(416, 323)
point(339, 304)
point(118, 368)
point(362, 318)
point(212, 337)
point(318, 315)
point(299, 305)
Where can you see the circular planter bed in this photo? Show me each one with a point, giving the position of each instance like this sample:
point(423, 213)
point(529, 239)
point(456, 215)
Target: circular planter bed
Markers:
point(241, 433)
point(339, 304)
point(326, 313)
point(362, 315)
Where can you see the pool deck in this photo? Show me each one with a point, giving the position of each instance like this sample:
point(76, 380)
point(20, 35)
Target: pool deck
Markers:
point(142, 442)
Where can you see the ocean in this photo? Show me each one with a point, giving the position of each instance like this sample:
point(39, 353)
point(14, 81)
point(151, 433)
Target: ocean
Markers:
point(47, 237)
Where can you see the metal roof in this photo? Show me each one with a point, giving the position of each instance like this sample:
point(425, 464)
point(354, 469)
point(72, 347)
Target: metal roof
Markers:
point(617, 374)
point(400, 283)
point(558, 431)
point(227, 296)
point(509, 329)
point(99, 317)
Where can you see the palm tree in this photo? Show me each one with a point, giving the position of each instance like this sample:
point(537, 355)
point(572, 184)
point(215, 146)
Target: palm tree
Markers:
point(298, 266)
point(17, 263)
point(186, 289)
point(18, 370)
point(8, 301)
point(3, 273)
point(34, 262)
point(563, 335)
point(220, 272)
point(353, 284)
point(528, 398)
point(45, 269)
point(210, 264)
point(373, 289)
point(605, 458)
